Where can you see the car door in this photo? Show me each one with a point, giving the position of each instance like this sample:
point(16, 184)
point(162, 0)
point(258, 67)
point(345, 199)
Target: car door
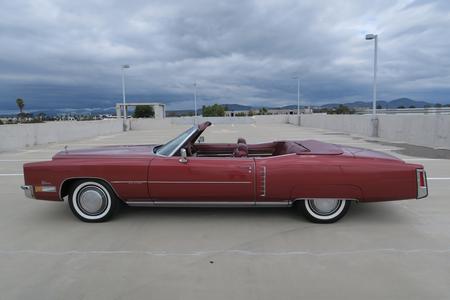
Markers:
point(202, 179)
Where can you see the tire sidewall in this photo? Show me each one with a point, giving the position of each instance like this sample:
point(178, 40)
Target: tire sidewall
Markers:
point(111, 205)
point(304, 207)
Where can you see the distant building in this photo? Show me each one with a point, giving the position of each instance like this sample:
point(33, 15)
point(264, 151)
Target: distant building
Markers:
point(159, 108)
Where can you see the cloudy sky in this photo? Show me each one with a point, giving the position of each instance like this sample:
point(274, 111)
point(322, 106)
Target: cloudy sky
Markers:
point(67, 54)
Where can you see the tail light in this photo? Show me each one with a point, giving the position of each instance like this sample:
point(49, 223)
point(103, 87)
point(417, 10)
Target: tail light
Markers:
point(422, 188)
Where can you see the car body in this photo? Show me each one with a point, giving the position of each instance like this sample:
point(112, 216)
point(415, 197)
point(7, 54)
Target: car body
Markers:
point(185, 173)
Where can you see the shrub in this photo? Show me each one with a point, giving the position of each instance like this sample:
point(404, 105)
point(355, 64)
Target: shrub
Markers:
point(144, 111)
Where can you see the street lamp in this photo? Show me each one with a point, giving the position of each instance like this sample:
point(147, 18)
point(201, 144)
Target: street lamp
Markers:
point(374, 101)
point(298, 94)
point(123, 97)
point(195, 100)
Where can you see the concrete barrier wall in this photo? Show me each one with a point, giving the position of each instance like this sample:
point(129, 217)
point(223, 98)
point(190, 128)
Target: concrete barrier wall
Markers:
point(146, 124)
point(18, 136)
point(416, 129)
point(357, 124)
point(233, 120)
point(422, 130)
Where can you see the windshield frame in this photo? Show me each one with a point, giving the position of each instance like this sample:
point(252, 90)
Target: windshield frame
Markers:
point(190, 132)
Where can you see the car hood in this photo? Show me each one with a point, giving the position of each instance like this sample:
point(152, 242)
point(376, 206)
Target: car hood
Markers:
point(107, 151)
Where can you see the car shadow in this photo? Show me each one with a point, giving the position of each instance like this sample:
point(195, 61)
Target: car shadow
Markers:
point(385, 213)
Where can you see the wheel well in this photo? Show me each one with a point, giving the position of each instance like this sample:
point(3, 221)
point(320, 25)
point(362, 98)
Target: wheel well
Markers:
point(65, 186)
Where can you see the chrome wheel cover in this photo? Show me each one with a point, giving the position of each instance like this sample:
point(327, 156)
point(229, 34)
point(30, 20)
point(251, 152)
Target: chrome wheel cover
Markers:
point(92, 200)
point(324, 207)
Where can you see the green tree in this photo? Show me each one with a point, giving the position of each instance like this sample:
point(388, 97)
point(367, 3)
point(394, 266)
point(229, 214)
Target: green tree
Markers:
point(412, 106)
point(144, 111)
point(1, 122)
point(438, 105)
point(344, 110)
point(21, 104)
point(214, 110)
point(263, 111)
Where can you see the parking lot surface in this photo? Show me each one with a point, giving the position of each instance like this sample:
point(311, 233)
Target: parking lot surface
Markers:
point(396, 250)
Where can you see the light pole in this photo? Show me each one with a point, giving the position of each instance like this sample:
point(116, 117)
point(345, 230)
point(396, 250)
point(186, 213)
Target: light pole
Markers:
point(374, 101)
point(195, 102)
point(298, 97)
point(123, 97)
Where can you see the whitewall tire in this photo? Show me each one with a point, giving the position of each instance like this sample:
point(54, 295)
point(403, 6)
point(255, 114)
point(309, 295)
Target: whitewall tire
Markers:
point(323, 210)
point(92, 201)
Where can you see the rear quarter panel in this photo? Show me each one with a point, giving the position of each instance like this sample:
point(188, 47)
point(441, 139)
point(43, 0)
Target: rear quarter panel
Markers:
point(336, 176)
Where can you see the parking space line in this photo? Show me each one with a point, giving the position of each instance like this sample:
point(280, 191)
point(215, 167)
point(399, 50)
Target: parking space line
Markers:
point(392, 251)
point(423, 159)
point(17, 174)
point(31, 159)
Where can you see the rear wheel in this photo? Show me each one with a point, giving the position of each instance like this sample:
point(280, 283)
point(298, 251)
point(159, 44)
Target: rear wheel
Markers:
point(92, 201)
point(323, 210)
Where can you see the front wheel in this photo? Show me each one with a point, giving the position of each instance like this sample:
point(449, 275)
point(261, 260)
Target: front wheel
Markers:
point(323, 210)
point(92, 201)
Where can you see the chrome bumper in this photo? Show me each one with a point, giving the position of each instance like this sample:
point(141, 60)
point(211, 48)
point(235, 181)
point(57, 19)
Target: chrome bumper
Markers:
point(28, 189)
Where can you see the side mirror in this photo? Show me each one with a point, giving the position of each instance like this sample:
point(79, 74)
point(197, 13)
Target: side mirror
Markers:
point(201, 139)
point(183, 158)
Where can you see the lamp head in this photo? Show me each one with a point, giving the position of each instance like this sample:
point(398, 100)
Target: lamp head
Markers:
point(125, 66)
point(370, 36)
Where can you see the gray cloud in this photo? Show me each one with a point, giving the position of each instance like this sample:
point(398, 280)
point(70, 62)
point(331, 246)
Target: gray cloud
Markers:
point(67, 53)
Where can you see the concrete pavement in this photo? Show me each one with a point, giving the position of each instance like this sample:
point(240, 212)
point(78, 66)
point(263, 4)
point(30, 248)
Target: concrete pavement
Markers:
point(397, 250)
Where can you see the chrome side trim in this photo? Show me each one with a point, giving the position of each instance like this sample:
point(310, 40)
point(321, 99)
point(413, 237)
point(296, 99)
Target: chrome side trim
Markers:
point(148, 203)
point(201, 182)
point(130, 181)
point(263, 179)
point(273, 204)
point(28, 189)
point(206, 204)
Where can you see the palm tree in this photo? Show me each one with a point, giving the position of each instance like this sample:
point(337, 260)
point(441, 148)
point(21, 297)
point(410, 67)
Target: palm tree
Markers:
point(21, 104)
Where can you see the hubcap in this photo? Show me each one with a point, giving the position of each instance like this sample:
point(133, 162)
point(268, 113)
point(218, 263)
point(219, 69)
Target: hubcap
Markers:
point(324, 207)
point(92, 200)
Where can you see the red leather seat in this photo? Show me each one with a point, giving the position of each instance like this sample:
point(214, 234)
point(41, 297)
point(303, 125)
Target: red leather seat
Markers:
point(241, 150)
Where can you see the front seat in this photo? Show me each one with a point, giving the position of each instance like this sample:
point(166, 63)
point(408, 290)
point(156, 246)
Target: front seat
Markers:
point(241, 150)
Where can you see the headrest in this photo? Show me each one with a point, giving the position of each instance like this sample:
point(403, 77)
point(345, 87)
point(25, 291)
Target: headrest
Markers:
point(241, 141)
point(241, 150)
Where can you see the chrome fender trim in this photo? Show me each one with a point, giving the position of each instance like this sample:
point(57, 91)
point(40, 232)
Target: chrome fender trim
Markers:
point(207, 204)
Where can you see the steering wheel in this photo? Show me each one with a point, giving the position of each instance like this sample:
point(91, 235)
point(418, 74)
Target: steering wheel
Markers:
point(190, 149)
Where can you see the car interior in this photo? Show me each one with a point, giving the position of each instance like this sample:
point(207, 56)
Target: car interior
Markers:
point(242, 149)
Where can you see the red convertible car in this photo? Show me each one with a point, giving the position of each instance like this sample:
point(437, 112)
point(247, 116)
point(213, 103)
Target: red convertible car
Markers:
point(319, 179)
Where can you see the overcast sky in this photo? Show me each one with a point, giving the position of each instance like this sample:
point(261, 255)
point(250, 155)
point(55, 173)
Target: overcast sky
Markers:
point(67, 53)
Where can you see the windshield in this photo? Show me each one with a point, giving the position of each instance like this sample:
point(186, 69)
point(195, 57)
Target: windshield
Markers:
point(170, 148)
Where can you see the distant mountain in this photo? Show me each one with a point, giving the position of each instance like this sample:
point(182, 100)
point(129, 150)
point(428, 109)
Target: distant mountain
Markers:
point(405, 102)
